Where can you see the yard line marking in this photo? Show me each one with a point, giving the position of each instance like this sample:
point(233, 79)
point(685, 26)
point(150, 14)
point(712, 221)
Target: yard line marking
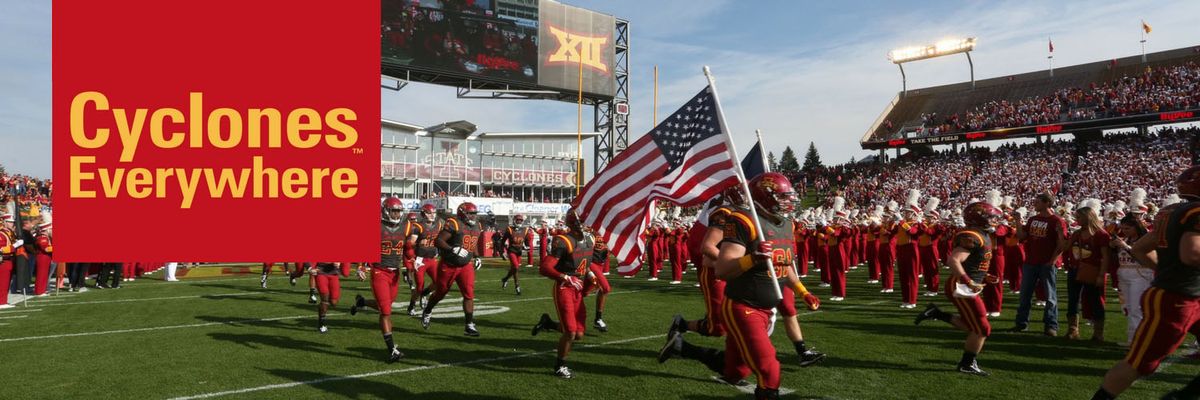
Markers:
point(14, 316)
point(399, 371)
point(19, 311)
point(158, 328)
point(149, 299)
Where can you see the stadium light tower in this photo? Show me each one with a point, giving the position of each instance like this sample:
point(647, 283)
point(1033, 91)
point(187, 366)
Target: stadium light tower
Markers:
point(941, 48)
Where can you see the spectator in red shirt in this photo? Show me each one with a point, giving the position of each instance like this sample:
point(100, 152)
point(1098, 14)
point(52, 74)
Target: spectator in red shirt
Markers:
point(1045, 237)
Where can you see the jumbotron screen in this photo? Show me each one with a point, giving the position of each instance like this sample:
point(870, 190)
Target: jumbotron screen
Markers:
point(536, 43)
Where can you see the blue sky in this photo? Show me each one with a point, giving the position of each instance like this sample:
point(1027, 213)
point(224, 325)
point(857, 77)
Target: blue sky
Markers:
point(800, 71)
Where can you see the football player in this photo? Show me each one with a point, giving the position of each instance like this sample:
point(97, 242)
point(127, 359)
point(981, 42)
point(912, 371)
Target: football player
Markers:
point(567, 263)
point(745, 253)
point(329, 286)
point(596, 280)
point(421, 238)
point(457, 244)
point(514, 245)
point(1169, 306)
point(969, 261)
point(385, 275)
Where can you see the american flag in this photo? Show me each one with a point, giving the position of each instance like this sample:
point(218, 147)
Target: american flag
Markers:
point(684, 160)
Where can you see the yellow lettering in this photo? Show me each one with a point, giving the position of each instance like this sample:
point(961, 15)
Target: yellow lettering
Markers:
point(345, 183)
point(334, 119)
point(130, 133)
point(78, 135)
point(311, 121)
point(78, 176)
point(187, 186)
point(110, 182)
point(216, 186)
point(156, 128)
point(259, 173)
point(160, 181)
point(195, 120)
point(214, 128)
point(291, 178)
point(254, 128)
point(136, 183)
point(318, 175)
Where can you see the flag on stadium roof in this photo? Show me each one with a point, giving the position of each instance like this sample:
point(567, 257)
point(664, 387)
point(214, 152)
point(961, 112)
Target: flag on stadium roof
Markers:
point(1051, 45)
point(684, 160)
point(1146, 27)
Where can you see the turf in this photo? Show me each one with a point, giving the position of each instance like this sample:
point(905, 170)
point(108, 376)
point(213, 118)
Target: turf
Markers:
point(211, 336)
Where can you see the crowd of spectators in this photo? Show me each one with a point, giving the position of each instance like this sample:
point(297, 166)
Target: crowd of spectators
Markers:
point(1151, 91)
point(1106, 168)
point(27, 190)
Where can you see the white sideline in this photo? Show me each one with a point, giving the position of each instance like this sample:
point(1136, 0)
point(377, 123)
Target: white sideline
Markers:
point(14, 316)
point(397, 371)
point(41, 304)
point(157, 328)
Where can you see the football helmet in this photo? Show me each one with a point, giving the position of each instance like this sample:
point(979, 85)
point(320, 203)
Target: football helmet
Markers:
point(393, 210)
point(467, 212)
point(772, 192)
point(1188, 183)
point(981, 215)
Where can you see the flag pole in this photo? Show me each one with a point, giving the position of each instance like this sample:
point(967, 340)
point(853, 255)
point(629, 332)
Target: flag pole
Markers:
point(655, 112)
point(579, 136)
point(767, 167)
point(712, 84)
point(1050, 56)
point(1143, 40)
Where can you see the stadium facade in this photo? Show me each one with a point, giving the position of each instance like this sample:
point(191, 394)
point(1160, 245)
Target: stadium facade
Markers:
point(503, 172)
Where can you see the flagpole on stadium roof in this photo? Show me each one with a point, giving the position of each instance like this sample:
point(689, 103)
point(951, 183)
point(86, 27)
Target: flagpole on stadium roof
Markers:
point(712, 84)
point(654, 121)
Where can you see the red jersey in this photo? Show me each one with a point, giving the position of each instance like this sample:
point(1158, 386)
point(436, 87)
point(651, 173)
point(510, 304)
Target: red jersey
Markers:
point(1043, 233)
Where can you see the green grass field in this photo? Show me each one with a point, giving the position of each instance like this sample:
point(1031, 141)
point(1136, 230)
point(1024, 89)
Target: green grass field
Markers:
point(227, 338)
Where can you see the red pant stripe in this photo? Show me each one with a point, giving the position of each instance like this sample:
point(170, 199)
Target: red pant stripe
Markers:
point(1151, 307)
point(735, 332)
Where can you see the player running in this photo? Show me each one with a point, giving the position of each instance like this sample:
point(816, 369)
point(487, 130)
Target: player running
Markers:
point(457, 243)
point(421, 237)
point(329, 287)
point(1171, 306)
point(567, 263)
point(742, 262)
point(514, 244)
point(596, 280)
point(385, 275)
point(968, 262)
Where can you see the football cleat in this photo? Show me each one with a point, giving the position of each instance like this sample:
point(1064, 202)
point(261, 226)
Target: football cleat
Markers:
point(412, 312)
point(470, 330)
point(359, 302)
point(564, 372)
point(312, 298)
point(263, 282)
point(676, 282)
point(423, 300)
point(973, 369)
point(993, 314)
point(873, 281)
point(653, 278)
point(322, 329)
point(291, 280)
point(930, 311)
point(810, 357)
point(425, 319)
point(677, 325)
point(504, 283)
point(673, 347)
point(518, 290)
point(542, 324)
point(600, 326)
point(931, 294)
point(395, 355)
